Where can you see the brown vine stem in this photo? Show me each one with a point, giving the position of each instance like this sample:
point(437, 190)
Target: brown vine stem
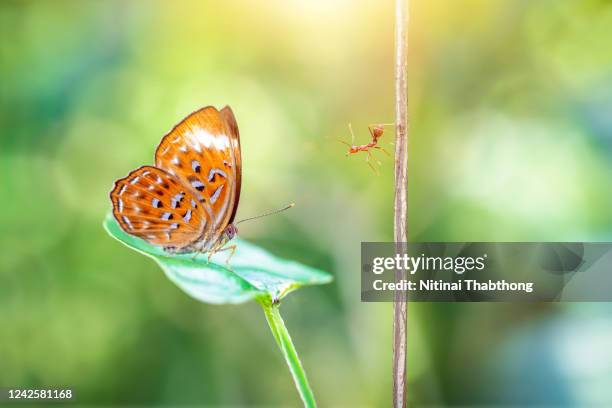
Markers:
point(401, 197)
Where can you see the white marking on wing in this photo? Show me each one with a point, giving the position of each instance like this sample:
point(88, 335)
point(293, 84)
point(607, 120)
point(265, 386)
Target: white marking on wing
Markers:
point(207, 139)
point(197, 184)
point(216, 194)
point(212, 172)
point(195, 166)
point(223, 209)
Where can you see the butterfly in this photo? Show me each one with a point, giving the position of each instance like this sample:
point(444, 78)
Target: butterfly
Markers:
point(187, 201)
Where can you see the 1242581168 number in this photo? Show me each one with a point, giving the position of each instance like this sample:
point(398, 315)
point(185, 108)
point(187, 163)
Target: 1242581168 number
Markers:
point(43, 393)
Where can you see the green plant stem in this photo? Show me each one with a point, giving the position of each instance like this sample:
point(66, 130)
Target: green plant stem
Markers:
point(281, 335)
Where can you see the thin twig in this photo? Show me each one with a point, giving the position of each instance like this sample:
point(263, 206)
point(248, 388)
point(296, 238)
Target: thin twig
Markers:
point(401, 197)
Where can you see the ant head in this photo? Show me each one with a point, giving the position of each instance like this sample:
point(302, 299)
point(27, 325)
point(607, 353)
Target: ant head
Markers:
point(378, 130)
point(353, 149)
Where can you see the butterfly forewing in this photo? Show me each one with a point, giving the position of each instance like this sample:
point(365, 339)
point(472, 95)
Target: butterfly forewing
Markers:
point(203, 152)
point(228, 115)
point(154, 205)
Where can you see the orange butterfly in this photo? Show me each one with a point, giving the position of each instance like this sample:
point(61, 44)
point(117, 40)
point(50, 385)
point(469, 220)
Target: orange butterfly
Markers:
point(188, 201)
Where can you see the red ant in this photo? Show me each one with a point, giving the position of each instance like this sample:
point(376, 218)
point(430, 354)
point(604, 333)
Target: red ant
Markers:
point(376, 131)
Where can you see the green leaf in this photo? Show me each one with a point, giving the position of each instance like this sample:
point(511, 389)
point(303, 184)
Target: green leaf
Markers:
point(253, 273)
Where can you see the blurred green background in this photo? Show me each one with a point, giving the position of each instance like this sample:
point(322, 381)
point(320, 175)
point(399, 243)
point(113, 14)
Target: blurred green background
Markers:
point(511, 140)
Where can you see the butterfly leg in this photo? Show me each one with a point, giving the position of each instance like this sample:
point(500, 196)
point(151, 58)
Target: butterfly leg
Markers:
point(229, 248)
point(214, 249)
point(219, 248)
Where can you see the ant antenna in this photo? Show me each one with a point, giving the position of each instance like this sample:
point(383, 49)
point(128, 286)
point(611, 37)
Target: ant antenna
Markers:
point(266, 214)
point(352, 134)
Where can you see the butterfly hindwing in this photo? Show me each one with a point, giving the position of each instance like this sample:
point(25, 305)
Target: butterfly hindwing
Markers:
point(154, 205)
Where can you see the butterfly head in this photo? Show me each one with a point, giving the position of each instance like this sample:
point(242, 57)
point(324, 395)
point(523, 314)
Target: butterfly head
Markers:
point(230, 231)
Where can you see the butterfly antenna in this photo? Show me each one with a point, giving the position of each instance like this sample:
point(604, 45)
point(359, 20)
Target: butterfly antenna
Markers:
point(266, 214)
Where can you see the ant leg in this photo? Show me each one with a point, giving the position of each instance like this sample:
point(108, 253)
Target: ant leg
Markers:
point(371, 130)
point(377, 161)
point(383, 149)
point(368, 157)
point(348, 153)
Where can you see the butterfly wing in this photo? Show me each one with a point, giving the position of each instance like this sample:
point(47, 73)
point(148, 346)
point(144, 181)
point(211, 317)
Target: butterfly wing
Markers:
point(230, 120)
point(203, 152)
point(155, 206)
